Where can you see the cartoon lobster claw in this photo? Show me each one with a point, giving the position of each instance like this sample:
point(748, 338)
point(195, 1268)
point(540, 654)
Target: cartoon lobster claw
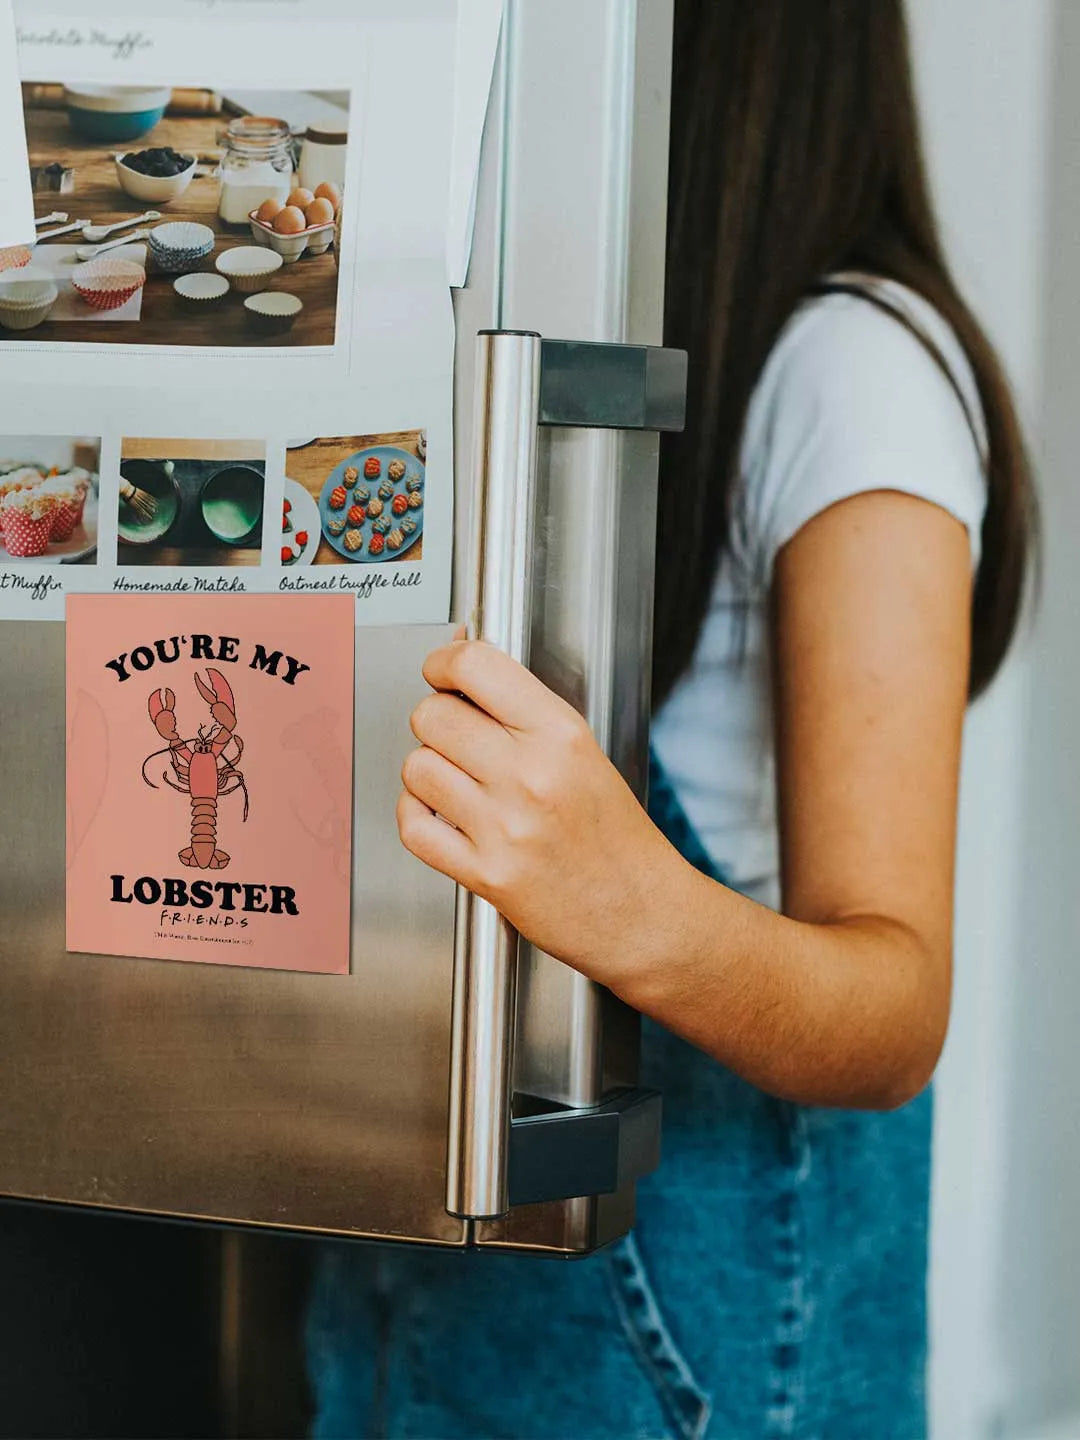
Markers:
point(204, 769)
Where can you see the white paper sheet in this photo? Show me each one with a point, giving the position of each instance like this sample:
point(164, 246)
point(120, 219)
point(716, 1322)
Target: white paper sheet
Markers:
point(478, 26)
point(59, 262)
point(16, 201)
point(368, 364)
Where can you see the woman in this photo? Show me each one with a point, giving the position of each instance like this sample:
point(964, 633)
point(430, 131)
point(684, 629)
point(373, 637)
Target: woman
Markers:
point(853, 518)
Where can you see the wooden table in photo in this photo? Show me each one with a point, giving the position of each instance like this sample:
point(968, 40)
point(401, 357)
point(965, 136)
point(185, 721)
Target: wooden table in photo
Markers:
point(197, 556)
point(311, 464)
point(165, 318)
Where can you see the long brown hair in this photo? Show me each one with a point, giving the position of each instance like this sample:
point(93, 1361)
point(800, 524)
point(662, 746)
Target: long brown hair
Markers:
point(795, 153)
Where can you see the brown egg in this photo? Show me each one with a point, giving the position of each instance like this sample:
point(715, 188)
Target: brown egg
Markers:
point(289, 221)
point(300, 197)
point(329, 191)
point(319, 212)
point(269, 210)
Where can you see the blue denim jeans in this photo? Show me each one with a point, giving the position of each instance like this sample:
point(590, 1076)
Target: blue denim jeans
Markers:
point(774, 1286)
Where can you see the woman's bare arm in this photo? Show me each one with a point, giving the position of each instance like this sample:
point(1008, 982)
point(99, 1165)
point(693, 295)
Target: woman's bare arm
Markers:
point(843, 999)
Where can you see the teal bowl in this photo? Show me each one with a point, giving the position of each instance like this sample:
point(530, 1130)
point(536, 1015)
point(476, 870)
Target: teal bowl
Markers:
point(114, 113)
point(231, 502)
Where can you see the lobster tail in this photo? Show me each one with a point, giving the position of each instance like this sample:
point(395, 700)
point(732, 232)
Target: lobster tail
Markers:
point(204, 854)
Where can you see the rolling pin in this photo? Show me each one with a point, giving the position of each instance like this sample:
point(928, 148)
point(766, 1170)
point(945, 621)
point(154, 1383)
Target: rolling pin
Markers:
point(183, 102)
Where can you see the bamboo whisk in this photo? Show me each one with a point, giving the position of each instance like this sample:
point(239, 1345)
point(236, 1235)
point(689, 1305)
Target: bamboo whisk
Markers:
point(140, 501)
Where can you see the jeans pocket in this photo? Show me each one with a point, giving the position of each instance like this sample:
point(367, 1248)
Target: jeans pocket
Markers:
point(684, 1402)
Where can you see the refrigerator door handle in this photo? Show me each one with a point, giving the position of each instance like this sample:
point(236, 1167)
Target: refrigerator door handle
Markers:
point(523, 382)
point(498, 611)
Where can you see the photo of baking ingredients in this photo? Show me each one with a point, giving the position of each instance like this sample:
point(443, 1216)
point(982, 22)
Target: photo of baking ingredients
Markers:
point(48, 499)
point(354, 499)
point(191, 502)
point(179, 217)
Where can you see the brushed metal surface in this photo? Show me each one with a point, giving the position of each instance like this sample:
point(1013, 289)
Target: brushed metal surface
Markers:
point(311, 1102)
point(503, 483)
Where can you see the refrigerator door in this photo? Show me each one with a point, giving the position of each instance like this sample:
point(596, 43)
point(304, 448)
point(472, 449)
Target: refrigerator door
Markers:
point(268, 1098)
point(316, 1103)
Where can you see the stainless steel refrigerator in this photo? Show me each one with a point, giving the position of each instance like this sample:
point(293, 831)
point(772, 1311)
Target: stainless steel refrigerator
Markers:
point(449, 1091)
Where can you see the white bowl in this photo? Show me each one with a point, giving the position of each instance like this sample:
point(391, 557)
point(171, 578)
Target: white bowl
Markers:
point(201, 288)
point(118, 99)
point(248, 267)
point(157, 189)
point(25, 301)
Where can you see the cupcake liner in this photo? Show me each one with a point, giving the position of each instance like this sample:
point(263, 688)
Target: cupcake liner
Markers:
point(64, 519)
point(25, 537)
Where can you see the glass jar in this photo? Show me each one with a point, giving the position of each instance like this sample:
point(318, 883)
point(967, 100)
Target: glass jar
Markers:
point(322, 157)
point(256, 165)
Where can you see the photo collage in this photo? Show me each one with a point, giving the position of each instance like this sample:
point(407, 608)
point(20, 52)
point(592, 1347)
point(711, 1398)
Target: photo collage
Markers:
point(210, 505)
point(227, 351)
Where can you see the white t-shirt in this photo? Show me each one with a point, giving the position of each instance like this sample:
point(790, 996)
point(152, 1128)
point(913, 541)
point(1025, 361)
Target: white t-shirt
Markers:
point(849, 401)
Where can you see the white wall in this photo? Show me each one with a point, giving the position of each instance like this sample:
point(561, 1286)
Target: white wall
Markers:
point(1006, 1241)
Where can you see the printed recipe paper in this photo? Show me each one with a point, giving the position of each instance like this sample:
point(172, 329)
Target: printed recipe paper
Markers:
point(209, 779)
point(269, 339)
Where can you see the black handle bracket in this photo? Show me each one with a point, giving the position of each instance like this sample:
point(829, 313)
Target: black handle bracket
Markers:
point(560, 1154)
point(612, 387)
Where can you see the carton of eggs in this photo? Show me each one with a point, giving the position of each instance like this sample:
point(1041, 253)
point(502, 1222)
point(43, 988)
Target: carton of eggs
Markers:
point(303, 222)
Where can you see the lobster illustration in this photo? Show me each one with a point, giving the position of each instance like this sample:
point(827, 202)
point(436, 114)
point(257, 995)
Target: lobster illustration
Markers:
point(202, 764)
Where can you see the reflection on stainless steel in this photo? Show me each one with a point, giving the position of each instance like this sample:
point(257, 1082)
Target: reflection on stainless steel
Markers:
point(591, 636)
point(499, 611)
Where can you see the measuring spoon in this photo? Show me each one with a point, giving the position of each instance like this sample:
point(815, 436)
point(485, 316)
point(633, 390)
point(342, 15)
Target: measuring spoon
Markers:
point(91, 252)
point(63, 229)
point(52, 219)
point(99, 232)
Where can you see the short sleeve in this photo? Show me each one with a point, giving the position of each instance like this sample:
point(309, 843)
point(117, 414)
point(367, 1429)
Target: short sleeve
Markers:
point(850, 401)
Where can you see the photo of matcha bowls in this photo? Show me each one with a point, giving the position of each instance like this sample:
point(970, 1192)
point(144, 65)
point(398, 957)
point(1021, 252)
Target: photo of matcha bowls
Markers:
point(190, 502)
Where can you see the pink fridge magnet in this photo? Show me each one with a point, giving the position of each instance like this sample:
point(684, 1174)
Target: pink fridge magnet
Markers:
point(209, 778)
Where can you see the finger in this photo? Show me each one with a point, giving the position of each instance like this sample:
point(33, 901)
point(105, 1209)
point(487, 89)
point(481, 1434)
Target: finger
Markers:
point(443, 788)
point(434, 841)
point(468, 738)
point(488, 677)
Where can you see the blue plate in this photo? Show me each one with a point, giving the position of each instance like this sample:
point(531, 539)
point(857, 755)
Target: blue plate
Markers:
point(384, 454)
